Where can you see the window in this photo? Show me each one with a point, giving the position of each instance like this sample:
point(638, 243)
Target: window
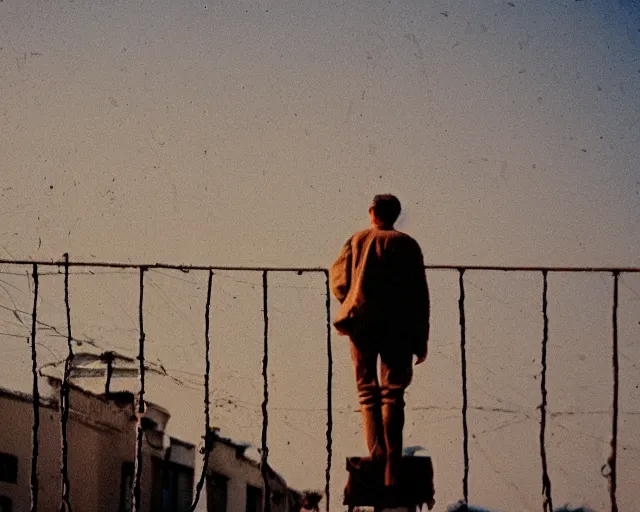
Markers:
point(171, 486)
point(216, 492)
point(254, 499)
point(6, 504)
point(126, 487)
point(8, 468)
point(183, 478)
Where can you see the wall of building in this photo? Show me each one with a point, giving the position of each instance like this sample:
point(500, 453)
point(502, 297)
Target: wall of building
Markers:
point(240, 471)
point(15, 439)
point(101, 438)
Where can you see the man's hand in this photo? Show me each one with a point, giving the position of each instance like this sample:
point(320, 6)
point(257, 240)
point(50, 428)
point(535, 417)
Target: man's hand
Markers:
point(421, 359)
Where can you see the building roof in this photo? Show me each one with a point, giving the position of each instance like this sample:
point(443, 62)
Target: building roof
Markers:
point(180, 442)
point(118, 396)
point(240, 449)
point(25, 397)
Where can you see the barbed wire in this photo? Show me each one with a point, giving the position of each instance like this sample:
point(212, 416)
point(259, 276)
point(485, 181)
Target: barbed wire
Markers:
point(36, 396)
point(64, 398)
point(66, 265)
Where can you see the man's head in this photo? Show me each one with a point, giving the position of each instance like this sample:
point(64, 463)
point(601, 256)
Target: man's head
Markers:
point(384, 210)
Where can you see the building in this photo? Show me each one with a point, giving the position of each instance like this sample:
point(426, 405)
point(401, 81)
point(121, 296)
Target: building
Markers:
point(235, 482)
point(101, 434)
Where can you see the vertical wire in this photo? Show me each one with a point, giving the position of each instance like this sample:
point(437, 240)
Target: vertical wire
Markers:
point(141, 405)
point(65, 506)
point(463, 364)
point(208, 439)
point(547, 505)
point(36, 395)
point(266, 499)
point(612, 460)
point(327, 489)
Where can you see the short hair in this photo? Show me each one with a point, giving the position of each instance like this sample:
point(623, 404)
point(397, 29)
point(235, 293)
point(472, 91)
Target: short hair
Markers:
point(386, 207)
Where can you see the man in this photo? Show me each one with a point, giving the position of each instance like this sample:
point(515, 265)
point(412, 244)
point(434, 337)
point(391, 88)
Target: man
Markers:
point(380, 281)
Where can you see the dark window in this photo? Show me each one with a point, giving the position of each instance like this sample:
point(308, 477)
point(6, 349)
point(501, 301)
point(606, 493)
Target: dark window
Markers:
point(6, 505)
point(8, 468)
point(126, 487)
point(254, 499)
point(216, 492)
point(183, 478)
point(171, 486)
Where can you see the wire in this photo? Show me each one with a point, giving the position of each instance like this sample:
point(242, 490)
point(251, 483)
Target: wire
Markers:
point(36, 396)
point(265, 415)
point(64, 397)
point(208, 440)
point(546, 482)
point(141, 405)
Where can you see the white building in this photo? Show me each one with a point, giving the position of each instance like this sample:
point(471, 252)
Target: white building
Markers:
point(235, 482)
point(101, 436)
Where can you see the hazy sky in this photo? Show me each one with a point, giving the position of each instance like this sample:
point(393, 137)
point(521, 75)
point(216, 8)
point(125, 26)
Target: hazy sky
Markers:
point(256, 133)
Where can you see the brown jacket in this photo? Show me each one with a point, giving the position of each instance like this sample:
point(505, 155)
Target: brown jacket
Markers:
point(380, 281)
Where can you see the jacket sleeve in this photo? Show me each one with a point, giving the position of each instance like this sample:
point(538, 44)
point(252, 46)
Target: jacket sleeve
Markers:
point(421, 302)
point(340, 273)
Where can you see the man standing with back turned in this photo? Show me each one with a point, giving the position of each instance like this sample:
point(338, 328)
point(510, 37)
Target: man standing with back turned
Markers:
point(380, 281)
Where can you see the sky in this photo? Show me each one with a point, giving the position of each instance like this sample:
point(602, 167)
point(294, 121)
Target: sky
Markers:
point(257, 132)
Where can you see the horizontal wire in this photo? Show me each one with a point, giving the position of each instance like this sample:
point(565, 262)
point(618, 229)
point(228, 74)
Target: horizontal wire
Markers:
point(186, 268)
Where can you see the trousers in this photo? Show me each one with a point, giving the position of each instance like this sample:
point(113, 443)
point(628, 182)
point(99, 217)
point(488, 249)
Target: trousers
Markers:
point(382, 399)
